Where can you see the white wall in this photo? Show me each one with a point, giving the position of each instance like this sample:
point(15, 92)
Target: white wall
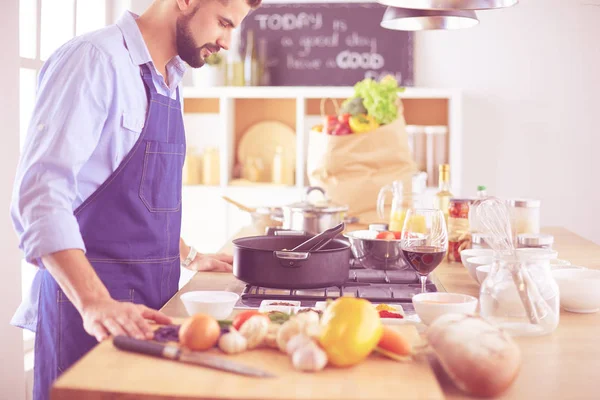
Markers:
point(531, 76)
point(12, 377)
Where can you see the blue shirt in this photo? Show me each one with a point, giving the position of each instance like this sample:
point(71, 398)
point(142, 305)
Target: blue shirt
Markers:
point(90, 110)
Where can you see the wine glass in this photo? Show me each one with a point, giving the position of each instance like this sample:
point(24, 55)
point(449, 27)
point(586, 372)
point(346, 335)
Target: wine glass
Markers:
point(424, 241)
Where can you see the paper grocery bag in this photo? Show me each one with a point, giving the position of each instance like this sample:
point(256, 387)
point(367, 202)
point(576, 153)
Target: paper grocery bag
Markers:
point(353, 168)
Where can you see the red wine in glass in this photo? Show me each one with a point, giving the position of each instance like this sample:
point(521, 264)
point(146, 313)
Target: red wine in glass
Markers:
point(424, 259)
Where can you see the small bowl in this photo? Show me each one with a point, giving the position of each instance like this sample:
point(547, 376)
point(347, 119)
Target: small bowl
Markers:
point(579, 289)
point(525, 254)
point(559, 264)
point(482, 272)
point(429, 306)
point(474, 262)
point(218, 304)
point(468, 253)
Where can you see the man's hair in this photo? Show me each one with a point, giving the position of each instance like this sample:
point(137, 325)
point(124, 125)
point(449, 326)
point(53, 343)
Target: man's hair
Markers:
point(254, 3)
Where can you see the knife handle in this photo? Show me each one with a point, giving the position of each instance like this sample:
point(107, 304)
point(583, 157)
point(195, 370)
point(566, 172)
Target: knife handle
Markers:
point(144, 347)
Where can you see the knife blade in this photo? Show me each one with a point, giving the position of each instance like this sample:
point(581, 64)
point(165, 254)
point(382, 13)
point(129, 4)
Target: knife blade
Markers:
point(175, 353)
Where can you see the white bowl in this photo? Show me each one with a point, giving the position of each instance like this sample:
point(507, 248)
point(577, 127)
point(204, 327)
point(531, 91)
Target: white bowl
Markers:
point(579, 289)
point(558, 264)
point(429, 306)
point(482, 272)
point(525, 254)
point(474, 262)
point(468, 253)
point(218, 304)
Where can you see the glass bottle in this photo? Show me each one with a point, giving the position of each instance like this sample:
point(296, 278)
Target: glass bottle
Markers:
point(264, 77)
point(250, 61)
point(442, 197)
point(235, 65)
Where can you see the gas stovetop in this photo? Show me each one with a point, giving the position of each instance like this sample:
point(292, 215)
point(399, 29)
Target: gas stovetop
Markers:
point(397, 286)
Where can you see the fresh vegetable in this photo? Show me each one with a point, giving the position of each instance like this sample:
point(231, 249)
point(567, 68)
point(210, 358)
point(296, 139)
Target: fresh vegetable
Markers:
point(351, 330)
point(385, 235)
point(379, 98)
point(199, 332)
point(309, 357)
point(481, 359)
point(393, 342)
point(296, 342)
point(278, 317)
point(344, 118)
point(244, 316)
point(233, 342)
point(353, 106)
point(255, 330)
point(271, 338)
point(363, 123)
point(288, 330)
point(330, 124)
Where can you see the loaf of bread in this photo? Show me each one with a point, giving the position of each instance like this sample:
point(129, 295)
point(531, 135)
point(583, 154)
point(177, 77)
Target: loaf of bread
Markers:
point(481, 359)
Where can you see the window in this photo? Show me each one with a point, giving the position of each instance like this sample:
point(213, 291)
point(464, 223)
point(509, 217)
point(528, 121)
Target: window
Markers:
point(44, 25)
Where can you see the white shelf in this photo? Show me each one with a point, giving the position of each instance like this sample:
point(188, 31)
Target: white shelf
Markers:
point(303, 92)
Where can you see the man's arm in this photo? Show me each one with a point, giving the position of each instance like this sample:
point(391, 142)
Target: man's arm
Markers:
point(101, 314)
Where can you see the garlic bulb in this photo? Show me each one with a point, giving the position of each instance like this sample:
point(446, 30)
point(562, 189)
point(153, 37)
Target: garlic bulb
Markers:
point(255, 330)
point(233, 342)
point(296, 342)
point(287, 331)
point(271, 338)
point(309, 358)
point(308, 317)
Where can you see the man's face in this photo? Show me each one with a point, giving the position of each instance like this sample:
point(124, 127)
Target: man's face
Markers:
point(205, 26)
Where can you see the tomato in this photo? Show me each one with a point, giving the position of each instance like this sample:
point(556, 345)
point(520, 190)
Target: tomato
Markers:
point(344, 118)
point(242, 317)
point(331, 123)
point(385, 235)
point(398, 235)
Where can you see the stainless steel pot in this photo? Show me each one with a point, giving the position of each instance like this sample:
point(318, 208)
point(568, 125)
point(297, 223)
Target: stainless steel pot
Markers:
point(314, 218)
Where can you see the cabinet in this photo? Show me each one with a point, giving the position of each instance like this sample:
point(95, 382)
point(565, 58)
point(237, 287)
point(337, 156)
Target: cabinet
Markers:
point(219, 117)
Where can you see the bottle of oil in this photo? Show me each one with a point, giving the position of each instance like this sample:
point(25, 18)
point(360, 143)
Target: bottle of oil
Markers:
point(251, 61)
point(235, 64)
point(442, 197)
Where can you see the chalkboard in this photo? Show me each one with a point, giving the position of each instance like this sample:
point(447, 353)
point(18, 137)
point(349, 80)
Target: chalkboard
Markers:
point(330, 44)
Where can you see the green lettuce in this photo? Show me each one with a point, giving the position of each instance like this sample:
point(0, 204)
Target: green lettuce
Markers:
point(379, 98)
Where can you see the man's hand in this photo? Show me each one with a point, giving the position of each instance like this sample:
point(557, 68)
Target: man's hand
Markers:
point(212, 262)
point(105, 317)
point(206, 262)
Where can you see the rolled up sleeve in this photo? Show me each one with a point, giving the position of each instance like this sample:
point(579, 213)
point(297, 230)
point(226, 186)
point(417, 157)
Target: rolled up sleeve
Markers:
point(72, 105)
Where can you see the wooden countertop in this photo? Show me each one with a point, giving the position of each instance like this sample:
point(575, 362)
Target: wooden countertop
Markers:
point(562, 365)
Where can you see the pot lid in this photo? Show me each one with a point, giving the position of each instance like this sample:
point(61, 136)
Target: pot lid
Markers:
point(320, 204)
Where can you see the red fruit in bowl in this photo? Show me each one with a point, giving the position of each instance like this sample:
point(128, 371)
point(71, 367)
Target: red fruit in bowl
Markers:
point(386, 235)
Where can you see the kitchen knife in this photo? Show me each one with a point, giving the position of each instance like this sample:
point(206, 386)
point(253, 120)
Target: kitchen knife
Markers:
point(190, 357)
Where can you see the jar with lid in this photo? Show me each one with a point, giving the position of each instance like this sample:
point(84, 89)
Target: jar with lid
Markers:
point(525, 216)
point(535, 241)
point(520, 296)
point(478, 241)
point(459, 237)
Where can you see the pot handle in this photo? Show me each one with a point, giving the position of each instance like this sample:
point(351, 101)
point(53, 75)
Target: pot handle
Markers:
point(312, 188)
point(351, 220)
point(291, 259)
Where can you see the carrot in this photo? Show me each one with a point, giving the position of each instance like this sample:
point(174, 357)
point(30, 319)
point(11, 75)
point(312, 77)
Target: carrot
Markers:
point(392, 341)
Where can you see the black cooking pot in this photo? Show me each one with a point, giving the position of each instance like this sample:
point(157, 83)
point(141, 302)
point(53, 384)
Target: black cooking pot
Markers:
point(262, 261)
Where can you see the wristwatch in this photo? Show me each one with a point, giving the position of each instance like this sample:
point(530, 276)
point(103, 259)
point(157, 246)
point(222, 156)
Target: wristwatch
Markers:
point(191, 256)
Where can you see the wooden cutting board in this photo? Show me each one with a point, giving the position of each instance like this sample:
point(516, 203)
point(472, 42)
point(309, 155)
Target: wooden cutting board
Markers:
point(107, 372)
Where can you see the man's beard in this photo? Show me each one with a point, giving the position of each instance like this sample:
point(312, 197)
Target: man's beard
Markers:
point(187, 48)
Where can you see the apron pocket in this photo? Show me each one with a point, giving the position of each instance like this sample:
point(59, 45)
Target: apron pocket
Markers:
point(161, 185)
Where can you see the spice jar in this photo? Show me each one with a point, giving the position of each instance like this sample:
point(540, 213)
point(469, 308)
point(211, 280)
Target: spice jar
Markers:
point(525, 215)
point(535, 241)
point(478, 241)
point(459, 237)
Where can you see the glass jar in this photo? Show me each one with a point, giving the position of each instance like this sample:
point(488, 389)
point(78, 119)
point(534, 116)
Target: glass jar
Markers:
point(459, 237)
point(535, 241)
point(478, 241)
point(520, 297)
point(525, 216)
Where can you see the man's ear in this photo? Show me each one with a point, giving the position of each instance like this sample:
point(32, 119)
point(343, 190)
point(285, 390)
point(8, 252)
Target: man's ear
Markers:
point(184, 5)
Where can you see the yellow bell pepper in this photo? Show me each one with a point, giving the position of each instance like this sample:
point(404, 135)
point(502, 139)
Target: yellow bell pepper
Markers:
point(362, 123)
point(351, 330)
